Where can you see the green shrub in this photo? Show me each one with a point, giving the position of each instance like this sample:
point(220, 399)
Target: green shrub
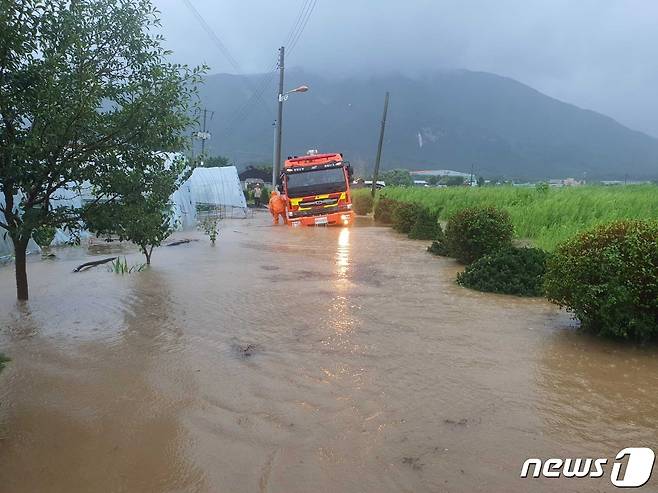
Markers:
point(3, 361)
point(608, 277)
point(439, 248)
point(404, 217)
point(121, 267)
point(517, 271)
point(384, 210)
point(426, 226)
point(362, 202)
point(43, 235)
point(477, 231)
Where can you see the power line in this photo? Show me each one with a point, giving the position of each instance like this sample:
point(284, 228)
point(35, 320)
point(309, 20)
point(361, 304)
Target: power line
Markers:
point(221, 46)
point(239, 115)
point(294, 35)
point(213, 36)
point(296, 30)
point(309, 12)
point(297, 22)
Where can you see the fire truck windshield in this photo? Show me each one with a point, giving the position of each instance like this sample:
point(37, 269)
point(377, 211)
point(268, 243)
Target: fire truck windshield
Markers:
point(316, 182)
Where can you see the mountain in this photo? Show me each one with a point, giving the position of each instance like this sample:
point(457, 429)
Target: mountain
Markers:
point(449, 120)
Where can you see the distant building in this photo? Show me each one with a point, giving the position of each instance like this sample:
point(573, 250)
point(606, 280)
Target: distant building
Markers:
point(254, 172)
point(360, 183)
point(623, 182)
point(440, 172)
point(565, 182)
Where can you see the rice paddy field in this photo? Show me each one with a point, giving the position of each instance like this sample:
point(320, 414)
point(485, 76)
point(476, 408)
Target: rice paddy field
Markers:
point(545, 217)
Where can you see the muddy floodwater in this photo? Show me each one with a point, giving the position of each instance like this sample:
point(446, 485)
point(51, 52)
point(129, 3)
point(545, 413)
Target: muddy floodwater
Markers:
point(310, 360)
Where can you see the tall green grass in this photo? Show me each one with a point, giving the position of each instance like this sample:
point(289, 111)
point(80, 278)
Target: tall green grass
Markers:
point(544, 217)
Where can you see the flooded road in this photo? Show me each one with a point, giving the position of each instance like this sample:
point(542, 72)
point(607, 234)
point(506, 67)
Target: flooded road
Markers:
point(302, 360)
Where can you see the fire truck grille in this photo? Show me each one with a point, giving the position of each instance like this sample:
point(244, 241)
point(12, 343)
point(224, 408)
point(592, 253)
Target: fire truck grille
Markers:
point(319, 202)
point(319, 210)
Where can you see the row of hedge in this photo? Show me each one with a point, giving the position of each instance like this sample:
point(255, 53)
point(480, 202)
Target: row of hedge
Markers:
point(417, 222)
point(606, 276)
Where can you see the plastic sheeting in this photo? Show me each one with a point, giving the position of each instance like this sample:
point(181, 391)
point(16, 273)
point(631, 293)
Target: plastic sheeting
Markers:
point(217, 187)
point(70, 196)
point(184, 208)
point(6, 245)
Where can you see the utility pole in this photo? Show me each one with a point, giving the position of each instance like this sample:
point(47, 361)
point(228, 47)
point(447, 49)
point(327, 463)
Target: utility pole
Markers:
point(470, 183)
point(203, 141)
point(276, 168)
point(375, 175)
point(274, 128)
point(204, 134)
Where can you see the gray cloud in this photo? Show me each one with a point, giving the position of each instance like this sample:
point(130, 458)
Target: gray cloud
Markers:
point(597, 54)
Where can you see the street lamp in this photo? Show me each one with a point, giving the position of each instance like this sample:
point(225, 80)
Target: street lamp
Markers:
point(283, 96)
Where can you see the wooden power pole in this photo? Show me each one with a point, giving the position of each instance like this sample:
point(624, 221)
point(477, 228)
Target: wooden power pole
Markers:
point(375, 175)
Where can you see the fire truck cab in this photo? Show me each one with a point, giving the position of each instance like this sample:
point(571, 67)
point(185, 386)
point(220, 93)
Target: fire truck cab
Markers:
point(317, 190)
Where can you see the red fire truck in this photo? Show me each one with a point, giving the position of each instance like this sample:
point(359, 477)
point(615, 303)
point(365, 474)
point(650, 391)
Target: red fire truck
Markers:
point(317, 190)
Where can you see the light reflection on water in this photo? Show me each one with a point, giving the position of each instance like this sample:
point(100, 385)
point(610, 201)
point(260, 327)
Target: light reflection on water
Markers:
point(352, 363)
point(343, 253)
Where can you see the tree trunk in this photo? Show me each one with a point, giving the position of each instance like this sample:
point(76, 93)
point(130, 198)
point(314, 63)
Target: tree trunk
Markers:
point(20, 249)
point(147, 254)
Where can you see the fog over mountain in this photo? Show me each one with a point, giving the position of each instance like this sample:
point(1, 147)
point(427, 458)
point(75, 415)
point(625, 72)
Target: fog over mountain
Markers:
point(451, 119)
point(592, 54)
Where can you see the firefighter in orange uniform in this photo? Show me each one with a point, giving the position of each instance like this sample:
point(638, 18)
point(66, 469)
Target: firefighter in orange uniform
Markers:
point(277, 207)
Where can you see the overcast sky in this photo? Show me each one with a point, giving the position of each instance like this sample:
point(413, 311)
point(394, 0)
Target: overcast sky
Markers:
point(597, 54)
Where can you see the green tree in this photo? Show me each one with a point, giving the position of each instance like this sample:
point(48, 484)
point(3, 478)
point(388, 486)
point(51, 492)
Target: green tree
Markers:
point(84, 91)
point(215, 161)
point(397, 178)
point(141, 212)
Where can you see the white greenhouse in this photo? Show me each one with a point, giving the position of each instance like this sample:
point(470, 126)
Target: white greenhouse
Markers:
point(217, 190)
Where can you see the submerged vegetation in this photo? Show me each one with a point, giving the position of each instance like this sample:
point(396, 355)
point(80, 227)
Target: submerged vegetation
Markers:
point(210, 226)
point(608, 277)
point(119, 266)
point(362, 201)
point(3, 361)
point(91, 97)
point(601, 268)
point(518, 271)
point(404, 217)
point(426, 226)
point(384, 210)
point(547, 217)
point(478, 231)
